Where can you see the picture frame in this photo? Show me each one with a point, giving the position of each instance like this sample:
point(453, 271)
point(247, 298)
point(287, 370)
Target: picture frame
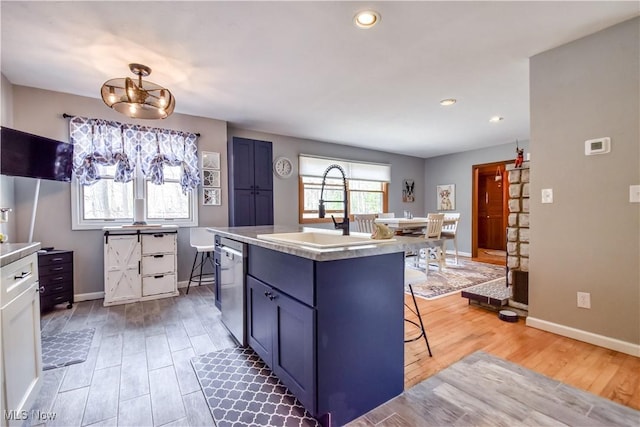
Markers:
point(211, 196)
point(210, 160)
point(446, 197)
point(210, 178)
point(408, 193)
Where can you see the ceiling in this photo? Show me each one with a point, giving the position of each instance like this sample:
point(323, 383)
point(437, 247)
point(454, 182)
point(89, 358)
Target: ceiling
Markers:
point(303, 69)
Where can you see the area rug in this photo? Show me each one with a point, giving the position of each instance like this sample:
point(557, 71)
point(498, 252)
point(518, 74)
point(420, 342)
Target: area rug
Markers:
point(66, 348)
point(241, 390)
point(483, 389)
point(454, 278)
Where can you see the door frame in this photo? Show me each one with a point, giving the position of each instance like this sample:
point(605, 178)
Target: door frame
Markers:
point(475, 173)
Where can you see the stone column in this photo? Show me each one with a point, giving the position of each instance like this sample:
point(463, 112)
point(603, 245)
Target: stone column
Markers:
point(518, 230)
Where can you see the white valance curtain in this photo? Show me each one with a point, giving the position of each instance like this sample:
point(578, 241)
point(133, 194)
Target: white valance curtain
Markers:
point(104, 142)
point(362, 171)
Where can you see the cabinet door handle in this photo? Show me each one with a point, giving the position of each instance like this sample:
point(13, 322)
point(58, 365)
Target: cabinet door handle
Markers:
point(270, 295)
point(139, 262)
point(40, 289)
point(158, 235)
point(158, 256)
point(217, 263)
point(257, 186)
point(158, 276)
point(22, 275)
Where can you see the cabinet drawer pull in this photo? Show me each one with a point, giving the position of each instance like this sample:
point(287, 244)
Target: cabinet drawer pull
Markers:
point(158, 256)
point(41, 289)
point(55, 279)
point(56, 259)
point(22, 275)
point(57, 269)
point(158, 276)
point(158, 235)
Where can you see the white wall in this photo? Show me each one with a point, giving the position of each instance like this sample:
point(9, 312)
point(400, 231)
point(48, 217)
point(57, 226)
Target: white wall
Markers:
point(40, 112)
point(588, 239)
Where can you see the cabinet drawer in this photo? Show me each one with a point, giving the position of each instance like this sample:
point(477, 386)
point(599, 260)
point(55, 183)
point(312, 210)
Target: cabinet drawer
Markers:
point(291, 274)
point(158, 243)
point(56, 258)
point(17, 277)
point(55, 269)
point(158, 284)
point(53, 279)
point(53, 299)
point(158, 264)
point(53, 288)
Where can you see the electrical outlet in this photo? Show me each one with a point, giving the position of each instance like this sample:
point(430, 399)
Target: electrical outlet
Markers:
point(547, 195)
point(584, 300)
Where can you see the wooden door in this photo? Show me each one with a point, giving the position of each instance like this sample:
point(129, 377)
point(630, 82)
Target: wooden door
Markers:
point(122, 269)
point(491, 233)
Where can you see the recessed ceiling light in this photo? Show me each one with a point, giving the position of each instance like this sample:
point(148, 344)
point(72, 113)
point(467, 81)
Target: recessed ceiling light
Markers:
point(496, 119)
point(366, 19)
point(448, 101)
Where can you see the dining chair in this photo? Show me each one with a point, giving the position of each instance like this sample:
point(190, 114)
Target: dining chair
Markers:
point(386, 215)
point(364, 222)
point(434, 252)
point(449, 230)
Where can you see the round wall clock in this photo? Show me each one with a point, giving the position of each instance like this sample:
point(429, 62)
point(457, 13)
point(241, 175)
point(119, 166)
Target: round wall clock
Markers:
point(283, 167)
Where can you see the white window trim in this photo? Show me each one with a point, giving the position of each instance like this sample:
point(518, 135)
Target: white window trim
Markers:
point(79, 223)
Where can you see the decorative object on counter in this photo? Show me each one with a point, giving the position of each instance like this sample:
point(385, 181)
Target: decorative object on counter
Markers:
point(283, 167)
point(3, 238)
point(381, 231)
point(408, 195)
point(259, 396)
point(66, 348)
point(455, 278)
point(139, 101)
point(138, 212)
point(344, 225)
point(446, 197)
point(4, 214)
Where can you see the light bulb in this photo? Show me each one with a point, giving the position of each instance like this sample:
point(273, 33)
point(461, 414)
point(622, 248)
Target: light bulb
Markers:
point(133, 108)
point(162, 100)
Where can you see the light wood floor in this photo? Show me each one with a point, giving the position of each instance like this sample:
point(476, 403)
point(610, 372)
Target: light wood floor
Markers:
point(456, 329)
point(490, 256)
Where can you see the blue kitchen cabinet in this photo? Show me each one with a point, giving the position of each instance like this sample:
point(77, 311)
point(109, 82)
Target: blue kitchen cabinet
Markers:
point(331, 331)
point(250, 182)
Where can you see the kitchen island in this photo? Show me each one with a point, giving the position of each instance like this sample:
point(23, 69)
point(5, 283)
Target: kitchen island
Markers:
point(328, 321)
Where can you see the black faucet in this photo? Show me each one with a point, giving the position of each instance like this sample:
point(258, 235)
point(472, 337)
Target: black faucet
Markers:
point(344, 225)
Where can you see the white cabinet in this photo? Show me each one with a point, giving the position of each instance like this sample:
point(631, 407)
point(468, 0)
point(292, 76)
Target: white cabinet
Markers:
point(20, 351)
point(139, 264)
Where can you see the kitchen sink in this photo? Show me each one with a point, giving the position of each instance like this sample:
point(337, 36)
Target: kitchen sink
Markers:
point(321, 240)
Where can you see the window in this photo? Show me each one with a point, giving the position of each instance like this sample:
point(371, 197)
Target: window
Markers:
point(363, 196)
point(368, 195)
point(115, 164)
point(110, 203)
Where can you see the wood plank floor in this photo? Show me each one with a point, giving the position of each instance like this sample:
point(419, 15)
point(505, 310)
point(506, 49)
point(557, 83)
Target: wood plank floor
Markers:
point(456, 329)
point(138, 371)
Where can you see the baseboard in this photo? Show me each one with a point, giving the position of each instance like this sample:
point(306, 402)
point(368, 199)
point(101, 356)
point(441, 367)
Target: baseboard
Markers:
point(589, 337)
point(88, 297)
point(452, 252)
point(184, 284)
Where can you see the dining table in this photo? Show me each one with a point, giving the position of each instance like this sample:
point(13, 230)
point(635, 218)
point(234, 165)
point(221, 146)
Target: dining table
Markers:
point(415, 227)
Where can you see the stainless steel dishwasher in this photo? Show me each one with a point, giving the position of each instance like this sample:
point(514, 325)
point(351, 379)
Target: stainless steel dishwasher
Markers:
point(232, 287)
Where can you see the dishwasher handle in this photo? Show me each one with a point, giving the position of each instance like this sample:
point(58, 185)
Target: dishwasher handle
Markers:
point(230, 252)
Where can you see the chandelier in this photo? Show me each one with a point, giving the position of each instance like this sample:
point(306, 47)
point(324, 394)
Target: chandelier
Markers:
point(138, 100)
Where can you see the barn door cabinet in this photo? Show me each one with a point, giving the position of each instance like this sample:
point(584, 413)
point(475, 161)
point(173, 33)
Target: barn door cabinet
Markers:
point(250, 182)
point(139, 264)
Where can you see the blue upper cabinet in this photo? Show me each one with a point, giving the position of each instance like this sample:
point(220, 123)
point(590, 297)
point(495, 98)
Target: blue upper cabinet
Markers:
point(250, 182)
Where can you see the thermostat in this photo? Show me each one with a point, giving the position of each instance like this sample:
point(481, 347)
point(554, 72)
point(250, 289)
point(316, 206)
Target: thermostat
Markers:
point(597, 146)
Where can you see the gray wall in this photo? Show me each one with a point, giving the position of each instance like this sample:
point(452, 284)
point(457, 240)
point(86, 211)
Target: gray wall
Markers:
point(589, 238)
point(286, 190)
point(40, 112)
point(6, 182)
point(457, 169)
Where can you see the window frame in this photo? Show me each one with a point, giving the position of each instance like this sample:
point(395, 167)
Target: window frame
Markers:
point(78, 222)
point(327, 219)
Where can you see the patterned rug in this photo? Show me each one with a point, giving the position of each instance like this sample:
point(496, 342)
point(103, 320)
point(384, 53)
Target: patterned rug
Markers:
point(241, 390)
point(455, 277)
point(66, 348)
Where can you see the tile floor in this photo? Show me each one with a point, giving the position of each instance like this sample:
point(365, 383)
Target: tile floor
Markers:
point(138, 371)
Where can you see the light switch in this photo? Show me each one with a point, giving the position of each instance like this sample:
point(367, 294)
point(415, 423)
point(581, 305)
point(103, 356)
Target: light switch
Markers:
point(634, 193)
point(547, 195)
